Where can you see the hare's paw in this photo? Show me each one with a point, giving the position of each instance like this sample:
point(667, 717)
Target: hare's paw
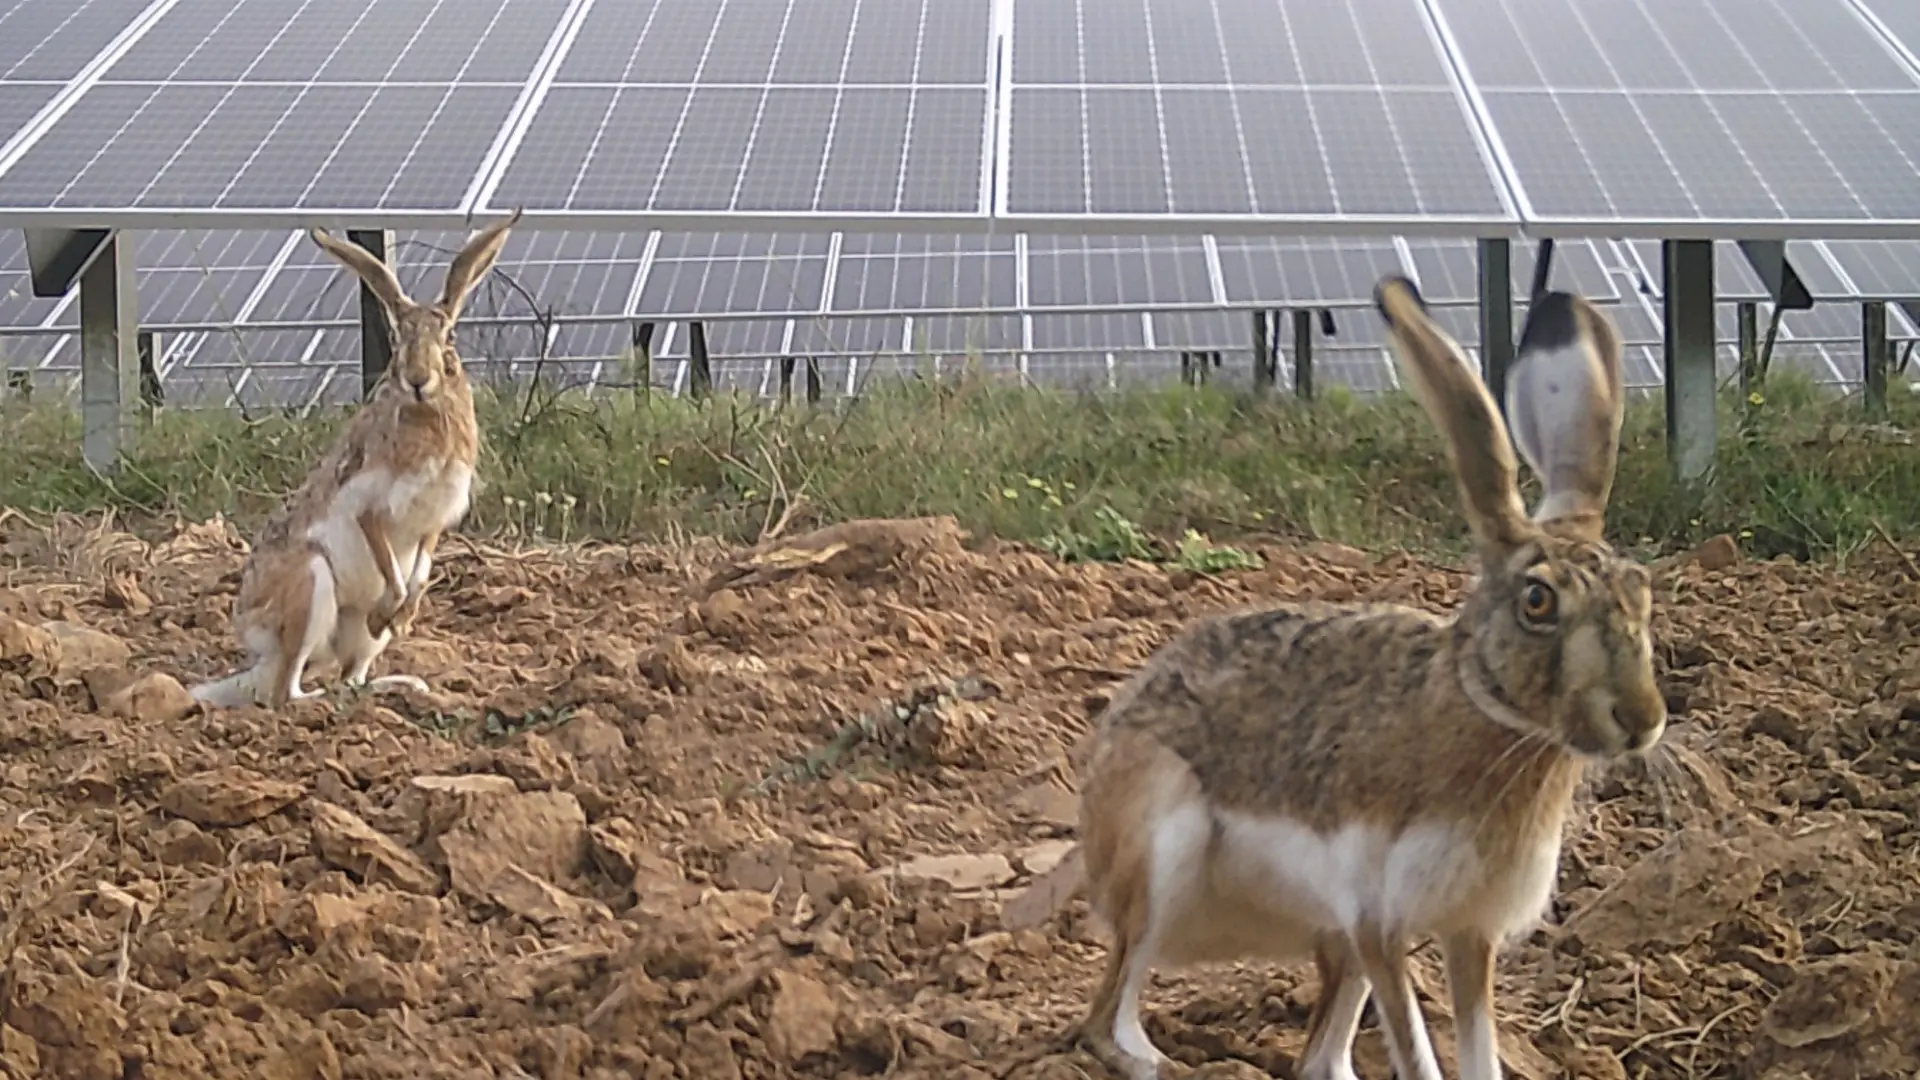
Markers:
point(1142, 1063)
point(399, 682)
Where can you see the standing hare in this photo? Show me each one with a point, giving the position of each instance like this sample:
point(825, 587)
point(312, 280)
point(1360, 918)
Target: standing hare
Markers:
point(1341, 781)
point(341, 568)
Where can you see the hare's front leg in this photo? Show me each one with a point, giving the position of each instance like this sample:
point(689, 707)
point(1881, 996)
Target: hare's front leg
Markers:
point(1336, 1015)
point(409, 610)
point(1469, 959)
point(1383, 959)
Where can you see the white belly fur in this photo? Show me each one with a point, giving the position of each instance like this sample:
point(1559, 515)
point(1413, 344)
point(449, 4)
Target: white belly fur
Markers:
point(418, 502)
point(1271, 885)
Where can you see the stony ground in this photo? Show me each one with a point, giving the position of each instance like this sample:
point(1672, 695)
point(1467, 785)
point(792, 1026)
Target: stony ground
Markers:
point(673, 813)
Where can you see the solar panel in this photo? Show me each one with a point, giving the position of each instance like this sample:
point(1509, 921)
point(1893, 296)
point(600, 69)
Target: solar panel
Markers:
point(1315, 110)
point(223, 109)
point(1115, 272)
point(925, 273)
point(1783, 117)
point(718, 274)
point(1877, 270)
point(44, 45)
point(709, 107)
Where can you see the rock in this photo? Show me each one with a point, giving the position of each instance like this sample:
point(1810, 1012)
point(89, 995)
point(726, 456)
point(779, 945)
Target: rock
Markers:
point(1827, 999)
point(1720, 553)
point(597, 745)
point(962, 873)
point(315, 918)
point(181, 843)
point(542, 832)
point(1049, 891)
point(27, 650)
point(154, 698)
point(539, 901)
point(343, 839)
point(534, 765)
point(614, 846)
point(801, 1020)
point(82, 647)
point(229, 795)
point(436, 803)
point(1043, 856)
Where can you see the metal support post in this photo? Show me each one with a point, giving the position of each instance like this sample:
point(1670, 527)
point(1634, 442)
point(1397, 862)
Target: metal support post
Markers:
point(1496, 317)
point(1687, 311)
point(1877, 350)
point(109, 352)
point(1303, 355)
point(376, 338)
point(1747, 320)
point(152, 393)
point(699, 366)
point(1266, 361)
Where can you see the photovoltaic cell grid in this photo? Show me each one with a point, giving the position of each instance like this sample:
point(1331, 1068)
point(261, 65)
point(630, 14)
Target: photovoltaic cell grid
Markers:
point(44, 44)
point(1321, 108)
point(770, 106)
point(334, 105)
point(1686, 111)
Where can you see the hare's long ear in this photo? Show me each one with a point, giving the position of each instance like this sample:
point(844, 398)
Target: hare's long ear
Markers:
point(1453, 395)
point(378, 275)
point(1566, 399)
point(472, 264)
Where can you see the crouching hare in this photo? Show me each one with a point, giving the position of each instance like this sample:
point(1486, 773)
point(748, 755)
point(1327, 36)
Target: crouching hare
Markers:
point(1341, 781)
point(341, 568)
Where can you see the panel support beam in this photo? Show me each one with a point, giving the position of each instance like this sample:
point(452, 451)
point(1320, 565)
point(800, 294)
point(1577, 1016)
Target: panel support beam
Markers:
point(1687, 311)
point(376, 337)
point(109, 353)
point(1877, 351)
point(1496, 317)
point(57, 257)
point(1770, 263)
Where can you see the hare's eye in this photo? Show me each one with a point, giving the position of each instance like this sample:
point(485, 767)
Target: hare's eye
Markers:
point(1538, 602)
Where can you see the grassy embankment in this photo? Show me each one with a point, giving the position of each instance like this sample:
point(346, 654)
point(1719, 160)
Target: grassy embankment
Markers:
point(1809, 477)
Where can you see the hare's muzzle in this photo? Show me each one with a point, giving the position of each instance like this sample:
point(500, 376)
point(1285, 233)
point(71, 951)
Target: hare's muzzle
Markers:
point(1641, 715)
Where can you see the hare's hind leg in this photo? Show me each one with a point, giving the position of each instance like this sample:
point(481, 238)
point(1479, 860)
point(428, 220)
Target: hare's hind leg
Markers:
point(1469, 959)
point(1141, 883)
point(310, 617)
point(1383, 959)
point(1336, 1015)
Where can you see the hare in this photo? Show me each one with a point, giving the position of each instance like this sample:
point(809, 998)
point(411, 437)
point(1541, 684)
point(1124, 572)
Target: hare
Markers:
point(341, 568)
point(1341, 781)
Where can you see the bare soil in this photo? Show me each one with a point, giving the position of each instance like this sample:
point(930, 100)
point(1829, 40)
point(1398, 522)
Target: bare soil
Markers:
point(690, 813)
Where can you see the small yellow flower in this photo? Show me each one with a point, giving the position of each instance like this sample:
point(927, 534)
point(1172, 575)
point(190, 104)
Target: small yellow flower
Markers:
point(1009, 493)
point(663, 461)
point(1756, 399)
point(1035, 483)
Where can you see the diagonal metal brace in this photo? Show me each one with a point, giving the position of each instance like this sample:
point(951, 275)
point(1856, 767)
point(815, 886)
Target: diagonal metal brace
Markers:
point(1769, 261)
point(57, 257)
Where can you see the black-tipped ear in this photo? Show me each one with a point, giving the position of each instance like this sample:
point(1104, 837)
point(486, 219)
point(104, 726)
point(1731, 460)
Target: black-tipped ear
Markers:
point(1553, 322)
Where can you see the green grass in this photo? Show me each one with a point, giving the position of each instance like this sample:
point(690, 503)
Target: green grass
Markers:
point(1809, 477)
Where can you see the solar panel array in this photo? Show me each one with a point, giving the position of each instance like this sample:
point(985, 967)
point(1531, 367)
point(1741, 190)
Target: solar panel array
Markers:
point(1071, 189)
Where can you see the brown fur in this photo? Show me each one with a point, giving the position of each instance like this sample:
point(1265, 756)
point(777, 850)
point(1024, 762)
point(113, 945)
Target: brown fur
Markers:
point(1328, 716)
